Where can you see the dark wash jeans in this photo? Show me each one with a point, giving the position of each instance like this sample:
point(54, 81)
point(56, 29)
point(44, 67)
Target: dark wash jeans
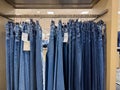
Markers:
point(50, 59)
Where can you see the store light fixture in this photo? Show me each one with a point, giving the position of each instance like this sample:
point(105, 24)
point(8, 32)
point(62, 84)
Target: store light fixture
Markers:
point(50, 12)
point(85, 12)
point(118, 12)
point(38, 12)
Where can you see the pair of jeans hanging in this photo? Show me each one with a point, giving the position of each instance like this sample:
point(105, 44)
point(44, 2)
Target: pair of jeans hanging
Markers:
point(32, 56)
point(8, 55)
point(69, 54)
point(50, 59)
point(78, 58)
point(12, 38)
point(58, 73)
point(24, 78)
point(39, 73)
point(65, 57)
point(17, 44)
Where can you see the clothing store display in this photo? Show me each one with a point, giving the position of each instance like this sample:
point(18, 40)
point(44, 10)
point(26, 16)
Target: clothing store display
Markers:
point(75, 59)
point(76, 56)
point(24, 60)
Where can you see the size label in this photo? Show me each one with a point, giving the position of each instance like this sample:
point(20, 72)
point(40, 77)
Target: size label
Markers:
point(26, 46)
point(65, 37)
point(25, 36)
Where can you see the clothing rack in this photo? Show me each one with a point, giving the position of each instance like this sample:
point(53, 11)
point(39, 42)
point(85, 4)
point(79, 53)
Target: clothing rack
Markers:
point(96, 16)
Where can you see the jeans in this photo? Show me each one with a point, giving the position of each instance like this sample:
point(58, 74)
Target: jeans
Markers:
point(27, 61)
point(60, 74)
point(65, 59)
point(8, 56)
point(22, 65)
point(69, 54)
point(12, 38)
point(78, 64)
point(51, 59)
point(24, 77)
point(78, 59)
point(17, 43)
point(39, 73)
point(32, 56)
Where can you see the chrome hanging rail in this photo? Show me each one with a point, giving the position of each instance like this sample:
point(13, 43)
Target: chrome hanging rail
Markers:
point(96, 16)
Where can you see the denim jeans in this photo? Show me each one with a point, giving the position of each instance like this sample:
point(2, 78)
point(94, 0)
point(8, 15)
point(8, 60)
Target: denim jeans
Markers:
point(78, 58)
point(8, 55)
point(27, 61)
point(22, 65)
point(12, 38)
point(39, 73)
point(78, 64)
point(59, 73)
point(65, 59)
point(51, 59)
point(17, 43)
point(32, 56)
point(69, 54)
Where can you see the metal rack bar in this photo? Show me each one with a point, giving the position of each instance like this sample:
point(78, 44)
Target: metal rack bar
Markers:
point(96, 16)
point(53, 16)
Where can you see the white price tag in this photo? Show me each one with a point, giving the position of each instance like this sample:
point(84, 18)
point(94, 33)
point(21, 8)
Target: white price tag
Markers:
point(26, 46)
point(24, 36)
point(65, 37)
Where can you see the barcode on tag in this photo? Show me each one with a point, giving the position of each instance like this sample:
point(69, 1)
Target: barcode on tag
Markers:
point(65, 37)
point(26, 46)
point(24, 36)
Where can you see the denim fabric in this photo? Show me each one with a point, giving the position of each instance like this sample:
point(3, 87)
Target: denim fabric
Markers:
point(65, 59)
point(78, 59)
point(93, 57)
point(79, 64)
point(12, 38)
point(56, 62)
point(32, 56)
point(22, 85)
point(104, 53)
point(39, 73)
point(101, 42)
point(17, 43)
point(51, 59)
point(8, 56)
point(59, 74)
point(69, 54)
point(27, 61)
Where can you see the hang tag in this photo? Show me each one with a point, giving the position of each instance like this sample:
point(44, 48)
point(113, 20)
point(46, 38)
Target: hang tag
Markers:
point(25, 36)
point(65, 37)
point(26, 46)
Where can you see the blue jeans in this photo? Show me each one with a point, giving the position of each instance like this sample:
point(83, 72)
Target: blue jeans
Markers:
point(59, 74)
point(65, 59)
point(17, 56)
point(50, 59)
point(32, 56)
point(39, 73)
point(12, 38)
point(78, 58)
point(8, 55)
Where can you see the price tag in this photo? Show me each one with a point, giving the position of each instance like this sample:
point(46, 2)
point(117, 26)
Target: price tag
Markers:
point(26, 46)
point(24, 36)
point(65, 37)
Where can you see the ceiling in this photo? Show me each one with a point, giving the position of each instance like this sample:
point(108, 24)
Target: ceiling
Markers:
point(53, 4)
